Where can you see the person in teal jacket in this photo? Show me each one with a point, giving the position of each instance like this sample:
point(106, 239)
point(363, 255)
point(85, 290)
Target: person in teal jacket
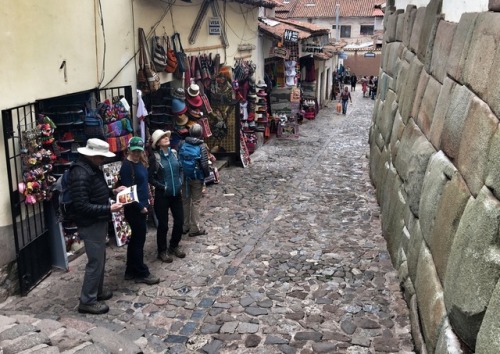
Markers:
point(165, 175)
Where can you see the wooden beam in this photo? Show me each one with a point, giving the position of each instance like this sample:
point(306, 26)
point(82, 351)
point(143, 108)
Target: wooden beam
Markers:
point(203, 49)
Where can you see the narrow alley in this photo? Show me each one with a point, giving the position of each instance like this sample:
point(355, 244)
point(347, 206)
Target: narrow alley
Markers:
point(294, 262)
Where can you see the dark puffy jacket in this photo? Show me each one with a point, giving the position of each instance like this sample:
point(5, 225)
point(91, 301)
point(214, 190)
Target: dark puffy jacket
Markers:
point(90, 194)
point(204, 153)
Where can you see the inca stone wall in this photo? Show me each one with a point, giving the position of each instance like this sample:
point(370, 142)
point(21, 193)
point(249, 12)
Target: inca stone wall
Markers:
point(435, 164)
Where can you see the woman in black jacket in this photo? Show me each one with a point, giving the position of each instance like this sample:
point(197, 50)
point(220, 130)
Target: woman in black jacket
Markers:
point(90, 195)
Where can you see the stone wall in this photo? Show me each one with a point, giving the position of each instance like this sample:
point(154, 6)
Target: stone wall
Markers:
point(435, 164)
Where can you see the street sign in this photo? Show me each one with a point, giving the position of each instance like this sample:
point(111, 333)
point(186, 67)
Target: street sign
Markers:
point(342, 55)
point(369, 55)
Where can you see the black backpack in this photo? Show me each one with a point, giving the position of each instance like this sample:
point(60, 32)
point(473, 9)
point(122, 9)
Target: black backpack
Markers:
point(62, 186)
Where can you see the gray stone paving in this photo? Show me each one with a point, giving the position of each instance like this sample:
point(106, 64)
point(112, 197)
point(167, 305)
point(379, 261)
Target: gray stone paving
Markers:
point(294, 263)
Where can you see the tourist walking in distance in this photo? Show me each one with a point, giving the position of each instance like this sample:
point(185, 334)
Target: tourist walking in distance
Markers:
point(165, 174)
point(90, 195)
point(345, 97)
point(134, 172)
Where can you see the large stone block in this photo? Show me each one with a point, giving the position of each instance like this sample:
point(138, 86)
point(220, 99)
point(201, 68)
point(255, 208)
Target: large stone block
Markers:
point(454, 120)
point(404, 68)
point(479, 127)
point(439, 115)
point(392, 53)
point(428, 30)
point(429, 298)
point(385, 190)
point(400, 27)
point(460, 46)
point(391, 25)
point(442, 46)
point(386, 118)
point(428, 105)
point(375, 165)
point(488, 338)
point(392, 214)
point(492, 179)
point(409, 19)
point(417, 29)
point(414, 246)
point(419, 94)
point(451, 206)
point(448, 342)
point(411, 163)
point(494, 5)
point(410, 87)
point(481, 66)
point(439, 171)
point(474, 266)
point(397, 131)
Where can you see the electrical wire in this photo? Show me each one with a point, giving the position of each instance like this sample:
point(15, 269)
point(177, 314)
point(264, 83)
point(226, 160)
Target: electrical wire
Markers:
point(136, 51)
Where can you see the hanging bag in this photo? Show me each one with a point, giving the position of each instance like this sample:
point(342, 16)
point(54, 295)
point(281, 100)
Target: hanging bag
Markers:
point(159, 54)
point(182, 62)
point(171, 58)
point(146, 67)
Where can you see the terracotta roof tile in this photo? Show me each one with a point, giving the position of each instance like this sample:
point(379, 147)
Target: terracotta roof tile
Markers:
point(327, 8)
point(259, 3)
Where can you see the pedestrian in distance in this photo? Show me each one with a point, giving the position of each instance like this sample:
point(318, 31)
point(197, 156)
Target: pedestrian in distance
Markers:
point(364, 85)
point(345, 97)
point(134, 172)
point(374, 88)
point(193, 155)
point(90, 202)
point(165, 174)
point(354, 80)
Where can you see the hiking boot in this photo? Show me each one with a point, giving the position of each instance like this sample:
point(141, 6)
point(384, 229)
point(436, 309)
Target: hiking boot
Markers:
point(97, 308)
point(177, 251)
point(150, 280)
point(200, 232)
point(165, 257)
point(105, 295)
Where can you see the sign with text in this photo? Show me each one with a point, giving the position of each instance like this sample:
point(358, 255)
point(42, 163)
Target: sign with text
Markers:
point(280, 52)
point(214, 26)
point(291, 36)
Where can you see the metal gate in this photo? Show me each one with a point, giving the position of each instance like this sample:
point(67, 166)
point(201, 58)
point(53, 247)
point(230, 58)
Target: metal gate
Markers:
point(31, 236)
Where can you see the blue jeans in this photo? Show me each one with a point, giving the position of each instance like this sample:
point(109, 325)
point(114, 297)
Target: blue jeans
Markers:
point(344, 106)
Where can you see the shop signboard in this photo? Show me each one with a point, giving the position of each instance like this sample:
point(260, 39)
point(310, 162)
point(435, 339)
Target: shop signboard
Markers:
point(342, 55)
point(369, 55)
point(291, 36)
point(281, 52)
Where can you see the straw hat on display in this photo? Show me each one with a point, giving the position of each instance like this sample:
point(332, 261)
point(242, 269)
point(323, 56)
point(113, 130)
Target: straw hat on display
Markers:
point(96, 147)
point(158, 135)
point(181, 119)
point(193, 96)
point(195, 113)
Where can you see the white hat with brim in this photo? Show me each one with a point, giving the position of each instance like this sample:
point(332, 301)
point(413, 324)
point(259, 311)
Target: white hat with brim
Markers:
point(158, 135)
point(96, 147)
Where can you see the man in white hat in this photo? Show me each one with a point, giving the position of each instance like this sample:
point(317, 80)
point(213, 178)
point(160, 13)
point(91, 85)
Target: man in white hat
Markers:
point(90, 195)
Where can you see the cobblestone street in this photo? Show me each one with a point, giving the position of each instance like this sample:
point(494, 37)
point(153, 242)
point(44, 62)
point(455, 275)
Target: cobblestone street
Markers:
point(294, 262)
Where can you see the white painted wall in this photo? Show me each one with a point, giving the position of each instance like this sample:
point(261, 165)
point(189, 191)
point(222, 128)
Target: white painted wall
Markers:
point(453, 9)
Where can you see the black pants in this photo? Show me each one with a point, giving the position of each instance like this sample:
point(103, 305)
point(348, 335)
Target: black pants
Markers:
point(135, 248)
point(162, 205)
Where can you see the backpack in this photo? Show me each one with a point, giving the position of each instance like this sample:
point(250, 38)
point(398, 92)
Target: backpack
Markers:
point(62, 187)
point(189, 156)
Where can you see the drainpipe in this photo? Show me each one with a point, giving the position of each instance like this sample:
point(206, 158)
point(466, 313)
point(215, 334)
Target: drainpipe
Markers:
point(337, 22)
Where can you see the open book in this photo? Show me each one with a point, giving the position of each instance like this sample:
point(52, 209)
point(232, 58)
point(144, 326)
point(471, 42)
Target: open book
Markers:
point(128, 195)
